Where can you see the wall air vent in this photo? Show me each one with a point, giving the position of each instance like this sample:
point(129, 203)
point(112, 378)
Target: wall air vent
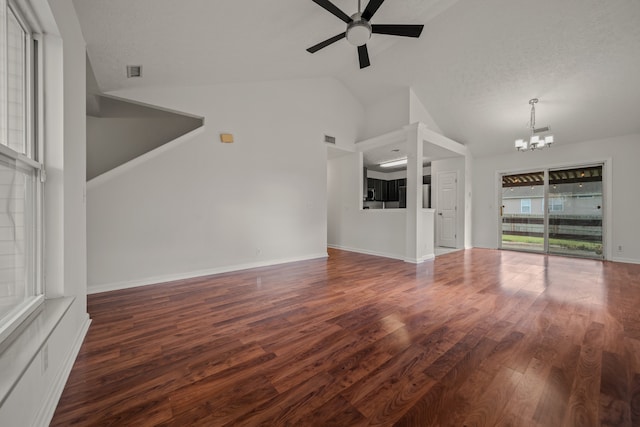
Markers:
point(330, 139)
point(134, 71)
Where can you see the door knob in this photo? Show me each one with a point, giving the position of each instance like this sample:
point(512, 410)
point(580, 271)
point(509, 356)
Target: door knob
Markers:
point(439, 213)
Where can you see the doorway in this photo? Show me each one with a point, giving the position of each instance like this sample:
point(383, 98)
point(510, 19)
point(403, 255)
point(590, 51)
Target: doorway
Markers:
point(555, 211)
point(447, 218)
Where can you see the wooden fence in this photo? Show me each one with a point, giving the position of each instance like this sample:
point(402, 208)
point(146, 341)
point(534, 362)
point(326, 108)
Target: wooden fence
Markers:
point(570, 227)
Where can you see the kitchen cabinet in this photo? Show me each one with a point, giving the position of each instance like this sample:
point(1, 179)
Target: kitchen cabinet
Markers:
point(393, 190)
point(381, 189)
point(393, 194)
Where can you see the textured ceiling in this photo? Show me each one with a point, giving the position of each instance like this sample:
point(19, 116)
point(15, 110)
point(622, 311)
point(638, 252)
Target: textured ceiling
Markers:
point(474, 68)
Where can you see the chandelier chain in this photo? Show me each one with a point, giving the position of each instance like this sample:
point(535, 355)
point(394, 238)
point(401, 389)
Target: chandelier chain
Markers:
point(532, 120)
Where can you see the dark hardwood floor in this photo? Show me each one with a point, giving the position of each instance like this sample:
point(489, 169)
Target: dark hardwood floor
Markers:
point(474, 338)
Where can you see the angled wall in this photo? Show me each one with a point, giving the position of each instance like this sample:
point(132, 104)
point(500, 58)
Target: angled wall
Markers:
point(120, 131)
point(394, 111)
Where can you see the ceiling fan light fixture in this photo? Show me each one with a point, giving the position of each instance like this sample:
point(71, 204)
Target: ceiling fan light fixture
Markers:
point(358, 31)
point(359, 28)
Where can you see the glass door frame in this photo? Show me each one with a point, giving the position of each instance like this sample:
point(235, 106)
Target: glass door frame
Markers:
point(606, 205)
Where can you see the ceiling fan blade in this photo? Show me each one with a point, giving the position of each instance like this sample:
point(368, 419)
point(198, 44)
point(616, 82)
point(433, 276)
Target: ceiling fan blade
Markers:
point(398, 30)
point(327, 42)
point(371, 8)
point(363, 56)
point(330, 7)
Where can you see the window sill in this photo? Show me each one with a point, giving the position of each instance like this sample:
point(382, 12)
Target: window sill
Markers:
point(20, 349)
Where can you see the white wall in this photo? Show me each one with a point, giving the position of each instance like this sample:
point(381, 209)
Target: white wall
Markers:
point(456, 164)
point(418, 113)
point(387, 115)
point(75, 229)
point(393, 112)
point(35, 395)
point(620, 193)
point(202, 206)
point(375, 231)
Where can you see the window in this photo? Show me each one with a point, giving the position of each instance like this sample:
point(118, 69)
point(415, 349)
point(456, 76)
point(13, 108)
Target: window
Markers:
point(525, 206)
point(556, 204)
point(20, 186)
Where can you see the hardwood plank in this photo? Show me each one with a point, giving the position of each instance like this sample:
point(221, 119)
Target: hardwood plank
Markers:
point(222, 404)
point(635, 400)
point(353, 367)
point(614, 391)
point(522, 404)
point(585, 395)
point(425, 412)
point(450, 401)
point(408, 362)
point(336, 412)
point(489, 410)
point(441, 366)
point(293, 404)
point(552, 406)
point(475, 337)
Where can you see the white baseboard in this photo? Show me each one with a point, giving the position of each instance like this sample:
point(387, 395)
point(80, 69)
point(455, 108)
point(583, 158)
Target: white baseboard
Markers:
point(368, 252)
point(420, 260)
point(106, 287)
point(625, 260)
point(45, 414)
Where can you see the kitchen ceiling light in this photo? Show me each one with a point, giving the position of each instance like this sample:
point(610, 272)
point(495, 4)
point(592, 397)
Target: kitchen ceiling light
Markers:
point(536, 142)
point(393, 163)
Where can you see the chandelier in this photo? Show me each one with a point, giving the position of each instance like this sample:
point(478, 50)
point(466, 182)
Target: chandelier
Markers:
point(536, 142)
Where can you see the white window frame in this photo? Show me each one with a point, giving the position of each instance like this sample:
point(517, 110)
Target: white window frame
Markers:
point(31, 160)
point(556, 204)
point(523, 205)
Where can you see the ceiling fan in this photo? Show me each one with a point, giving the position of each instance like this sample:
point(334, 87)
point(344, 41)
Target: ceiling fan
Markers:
point(359, 28)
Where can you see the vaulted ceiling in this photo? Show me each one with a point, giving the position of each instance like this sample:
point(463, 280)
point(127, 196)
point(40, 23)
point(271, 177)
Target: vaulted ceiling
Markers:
point(474, 68)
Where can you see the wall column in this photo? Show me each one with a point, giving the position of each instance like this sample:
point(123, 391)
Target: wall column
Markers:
point(415, 235)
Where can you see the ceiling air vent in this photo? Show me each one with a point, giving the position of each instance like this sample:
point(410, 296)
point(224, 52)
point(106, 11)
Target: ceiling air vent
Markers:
point(134, 71)
point(330, 139)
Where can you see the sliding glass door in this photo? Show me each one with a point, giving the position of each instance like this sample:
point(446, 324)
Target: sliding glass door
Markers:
point(523, 211)
point(556, 211)
point(575, 212)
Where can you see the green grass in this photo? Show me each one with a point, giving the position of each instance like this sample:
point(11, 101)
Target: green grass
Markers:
point(563, 243)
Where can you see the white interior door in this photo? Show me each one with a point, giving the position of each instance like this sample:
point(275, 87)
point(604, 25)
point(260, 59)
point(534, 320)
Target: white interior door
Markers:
point(447, 209)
